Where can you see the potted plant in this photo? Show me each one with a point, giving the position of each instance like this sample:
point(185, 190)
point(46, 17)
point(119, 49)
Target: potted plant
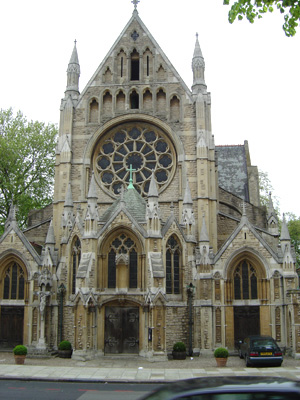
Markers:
point(221, 355)
point(179, 351)
point(65, 349)
point(20, 353)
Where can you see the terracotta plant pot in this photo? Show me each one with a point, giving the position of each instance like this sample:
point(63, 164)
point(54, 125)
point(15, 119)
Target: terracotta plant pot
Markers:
point(221, 362)
point(19, 359)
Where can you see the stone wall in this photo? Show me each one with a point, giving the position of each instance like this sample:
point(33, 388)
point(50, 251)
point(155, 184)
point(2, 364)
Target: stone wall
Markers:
point(176, 326)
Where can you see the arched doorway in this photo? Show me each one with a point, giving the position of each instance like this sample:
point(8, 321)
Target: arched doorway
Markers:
point(246, 287)
point(12, 295)
point(121, 275)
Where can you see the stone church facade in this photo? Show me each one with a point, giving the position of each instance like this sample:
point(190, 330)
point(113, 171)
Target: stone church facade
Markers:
point(155, 235)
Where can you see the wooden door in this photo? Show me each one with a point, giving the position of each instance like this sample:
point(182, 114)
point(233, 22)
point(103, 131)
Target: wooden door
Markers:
point(11, 326)
point(121, 330)
point(246, 322)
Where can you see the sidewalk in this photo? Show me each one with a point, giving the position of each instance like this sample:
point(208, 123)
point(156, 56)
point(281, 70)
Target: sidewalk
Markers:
point(118, 369)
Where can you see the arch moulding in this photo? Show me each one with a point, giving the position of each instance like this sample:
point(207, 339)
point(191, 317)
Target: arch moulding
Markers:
point(250, 254)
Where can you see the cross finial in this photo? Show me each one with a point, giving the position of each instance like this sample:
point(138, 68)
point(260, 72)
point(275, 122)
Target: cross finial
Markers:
point(131, 170)
point(75, 41)
point(135, 3)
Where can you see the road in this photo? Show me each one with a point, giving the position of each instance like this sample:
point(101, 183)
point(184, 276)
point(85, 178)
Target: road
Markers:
point(37, 390)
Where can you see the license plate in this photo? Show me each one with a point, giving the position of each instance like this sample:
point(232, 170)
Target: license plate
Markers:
point(266, 354)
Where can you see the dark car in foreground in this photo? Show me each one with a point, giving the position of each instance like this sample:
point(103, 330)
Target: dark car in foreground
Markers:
point(229, 388)
point(260, 351)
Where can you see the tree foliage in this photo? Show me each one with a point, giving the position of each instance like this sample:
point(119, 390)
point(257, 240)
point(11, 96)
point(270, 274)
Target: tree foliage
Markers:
point(253, 9)
point(293, 223)
point(27, 159)
point(266, 187)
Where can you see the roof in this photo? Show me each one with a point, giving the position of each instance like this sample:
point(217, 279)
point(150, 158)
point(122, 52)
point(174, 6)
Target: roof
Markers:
point(132, 201)
point(232, 170)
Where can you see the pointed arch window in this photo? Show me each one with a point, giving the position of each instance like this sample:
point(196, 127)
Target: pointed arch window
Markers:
point(94, 108)
point(135, 66)
point(134, 100)
point(123, 245)
point(173, 255)
point(245, 281)
point(76, 255)
point(14, 282)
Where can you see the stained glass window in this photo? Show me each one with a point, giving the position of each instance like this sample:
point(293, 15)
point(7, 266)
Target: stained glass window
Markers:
point(14, 282)
point(172, 266)
point(141, 145)
point(245, 281)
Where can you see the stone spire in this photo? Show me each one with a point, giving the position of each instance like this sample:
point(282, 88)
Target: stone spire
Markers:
point(285, 235)
point(49, 253)
point(68, 216)
point(272, 218)
point(187, 218)
point(11, 219)
point(153, 192)
point(286, 248)
point(50, 239)
point(153, 215)
point(91, 216)
point(73, 73)
point(198, 67)
point(203, 249)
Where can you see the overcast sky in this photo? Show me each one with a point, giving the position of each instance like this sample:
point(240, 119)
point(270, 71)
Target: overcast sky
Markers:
point(252, 71)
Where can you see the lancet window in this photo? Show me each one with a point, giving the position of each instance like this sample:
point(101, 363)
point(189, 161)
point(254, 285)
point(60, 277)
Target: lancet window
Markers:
point(76, 255)
point(122, 251)
point(245, 281)
point(135, 66)
point(173, 258)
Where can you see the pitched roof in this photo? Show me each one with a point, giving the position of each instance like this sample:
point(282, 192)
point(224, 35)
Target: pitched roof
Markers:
point(232, 170)
point(132, 201)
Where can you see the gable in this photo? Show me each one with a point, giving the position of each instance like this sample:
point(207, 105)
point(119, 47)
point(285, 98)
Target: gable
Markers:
point(146, 63)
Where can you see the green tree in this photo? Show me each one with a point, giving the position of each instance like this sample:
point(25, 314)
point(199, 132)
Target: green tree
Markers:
point(27, 158)
point(266, 187)
point(253, 9)
point(293, 223)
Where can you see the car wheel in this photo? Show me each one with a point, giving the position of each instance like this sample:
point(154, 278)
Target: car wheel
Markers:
point(248, 364)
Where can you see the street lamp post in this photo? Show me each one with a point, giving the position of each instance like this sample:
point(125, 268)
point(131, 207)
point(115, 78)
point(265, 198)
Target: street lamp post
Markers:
point(190, 293)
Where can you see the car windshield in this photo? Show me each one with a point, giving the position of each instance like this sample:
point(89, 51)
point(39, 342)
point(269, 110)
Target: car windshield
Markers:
point(263, 343)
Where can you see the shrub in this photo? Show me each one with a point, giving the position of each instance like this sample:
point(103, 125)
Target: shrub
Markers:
point(221, 352)
point(20, 350)
point(179, 346)
point(65, 345)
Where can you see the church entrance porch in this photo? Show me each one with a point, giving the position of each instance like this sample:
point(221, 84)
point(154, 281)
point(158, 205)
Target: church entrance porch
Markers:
point(11, 326)
point(121, 330)
point(246, 322)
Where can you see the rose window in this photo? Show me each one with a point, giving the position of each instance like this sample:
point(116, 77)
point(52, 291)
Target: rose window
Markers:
point(144, 147)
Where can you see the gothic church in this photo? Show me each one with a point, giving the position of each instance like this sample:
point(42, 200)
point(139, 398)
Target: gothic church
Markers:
point(155, 235)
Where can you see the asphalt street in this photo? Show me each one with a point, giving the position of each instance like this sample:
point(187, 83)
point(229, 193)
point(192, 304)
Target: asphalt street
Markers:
point(35, 390)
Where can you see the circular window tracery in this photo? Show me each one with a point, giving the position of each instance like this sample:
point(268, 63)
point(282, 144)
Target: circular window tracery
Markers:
point(141, 145)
